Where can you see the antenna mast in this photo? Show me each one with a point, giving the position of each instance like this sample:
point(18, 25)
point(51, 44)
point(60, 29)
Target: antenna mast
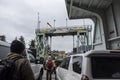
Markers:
point(38, 21)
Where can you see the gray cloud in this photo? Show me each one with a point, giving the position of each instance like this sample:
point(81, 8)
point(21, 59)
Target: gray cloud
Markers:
point(19, 17)
point(62, 43)
point(16, 19)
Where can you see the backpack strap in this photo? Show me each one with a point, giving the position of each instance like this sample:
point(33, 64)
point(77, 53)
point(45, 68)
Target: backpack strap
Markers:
point(17, 58)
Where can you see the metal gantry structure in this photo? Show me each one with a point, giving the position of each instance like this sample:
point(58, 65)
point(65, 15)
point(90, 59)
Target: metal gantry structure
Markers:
point(44, 37)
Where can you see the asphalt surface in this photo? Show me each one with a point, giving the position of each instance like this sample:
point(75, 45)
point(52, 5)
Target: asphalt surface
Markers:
point(44, 76)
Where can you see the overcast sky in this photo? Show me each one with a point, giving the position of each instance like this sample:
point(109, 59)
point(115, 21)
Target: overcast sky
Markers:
point(19, 17)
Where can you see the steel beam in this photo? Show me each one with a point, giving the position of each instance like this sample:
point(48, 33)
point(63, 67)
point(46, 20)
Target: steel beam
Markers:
point(91, 1)
point(70, 9)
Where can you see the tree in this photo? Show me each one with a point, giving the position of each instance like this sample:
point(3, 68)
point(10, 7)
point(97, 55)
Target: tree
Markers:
point(22, 39)
point(32, 44)
point(32, 47)
point(15, 38)
point(2, 38)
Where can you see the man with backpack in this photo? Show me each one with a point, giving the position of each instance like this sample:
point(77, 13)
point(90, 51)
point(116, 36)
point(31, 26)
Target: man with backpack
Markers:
point(16, 66)
point(49, 67)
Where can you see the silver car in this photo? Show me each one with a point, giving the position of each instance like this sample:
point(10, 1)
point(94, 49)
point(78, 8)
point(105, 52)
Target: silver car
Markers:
point(36, 65)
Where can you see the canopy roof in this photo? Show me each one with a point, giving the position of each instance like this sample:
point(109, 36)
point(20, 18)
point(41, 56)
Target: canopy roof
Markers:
point(78, 9)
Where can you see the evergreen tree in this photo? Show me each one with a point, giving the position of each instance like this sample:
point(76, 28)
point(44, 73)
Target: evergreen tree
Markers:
point(32, 47)
point(22, 39)
point(32, 44)
point(15, 38)
point(2, 38)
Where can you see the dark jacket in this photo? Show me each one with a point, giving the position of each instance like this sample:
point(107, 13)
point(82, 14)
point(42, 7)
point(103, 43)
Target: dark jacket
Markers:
point(23, 66)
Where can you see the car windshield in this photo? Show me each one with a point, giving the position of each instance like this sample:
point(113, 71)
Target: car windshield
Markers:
point(106, 67)
point(31, 57)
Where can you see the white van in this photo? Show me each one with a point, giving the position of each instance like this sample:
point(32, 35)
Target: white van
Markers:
point(92, 65)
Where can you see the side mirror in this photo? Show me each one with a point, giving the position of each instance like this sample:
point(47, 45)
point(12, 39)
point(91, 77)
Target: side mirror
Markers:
point(37, 61)
point(58, 63)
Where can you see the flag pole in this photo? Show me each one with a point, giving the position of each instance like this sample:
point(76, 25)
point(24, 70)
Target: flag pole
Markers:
point(54, 23)
point(66, 22)
point(38, 21)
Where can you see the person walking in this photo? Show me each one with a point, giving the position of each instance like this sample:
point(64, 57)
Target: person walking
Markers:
point(22, 65)
point(54, 68)
point(49, 67)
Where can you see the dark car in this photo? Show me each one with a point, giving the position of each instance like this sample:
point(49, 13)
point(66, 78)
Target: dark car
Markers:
point(58, 62)
point(4, 49)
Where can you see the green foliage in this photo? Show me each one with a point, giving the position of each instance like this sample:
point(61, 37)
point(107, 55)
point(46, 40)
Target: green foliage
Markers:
point(2, 38)
point(32, 44)
point(22, 39)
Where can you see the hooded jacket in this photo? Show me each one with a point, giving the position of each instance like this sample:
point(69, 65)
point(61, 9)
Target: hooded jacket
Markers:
point(23, 66)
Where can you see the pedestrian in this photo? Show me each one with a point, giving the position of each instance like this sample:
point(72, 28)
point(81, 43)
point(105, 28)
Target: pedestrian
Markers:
point(49, 68)
point(54, 68)
point(23, 68)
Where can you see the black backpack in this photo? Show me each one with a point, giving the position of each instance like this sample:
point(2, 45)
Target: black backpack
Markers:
point(8, 69)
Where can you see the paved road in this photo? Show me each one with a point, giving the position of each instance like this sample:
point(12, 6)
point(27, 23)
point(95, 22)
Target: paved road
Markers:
point(44, 76)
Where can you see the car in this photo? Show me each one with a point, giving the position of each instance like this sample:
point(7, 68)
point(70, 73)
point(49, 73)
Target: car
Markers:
point(92, 65)
point(58, 62)
point(36, 64)
point(4, 49)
